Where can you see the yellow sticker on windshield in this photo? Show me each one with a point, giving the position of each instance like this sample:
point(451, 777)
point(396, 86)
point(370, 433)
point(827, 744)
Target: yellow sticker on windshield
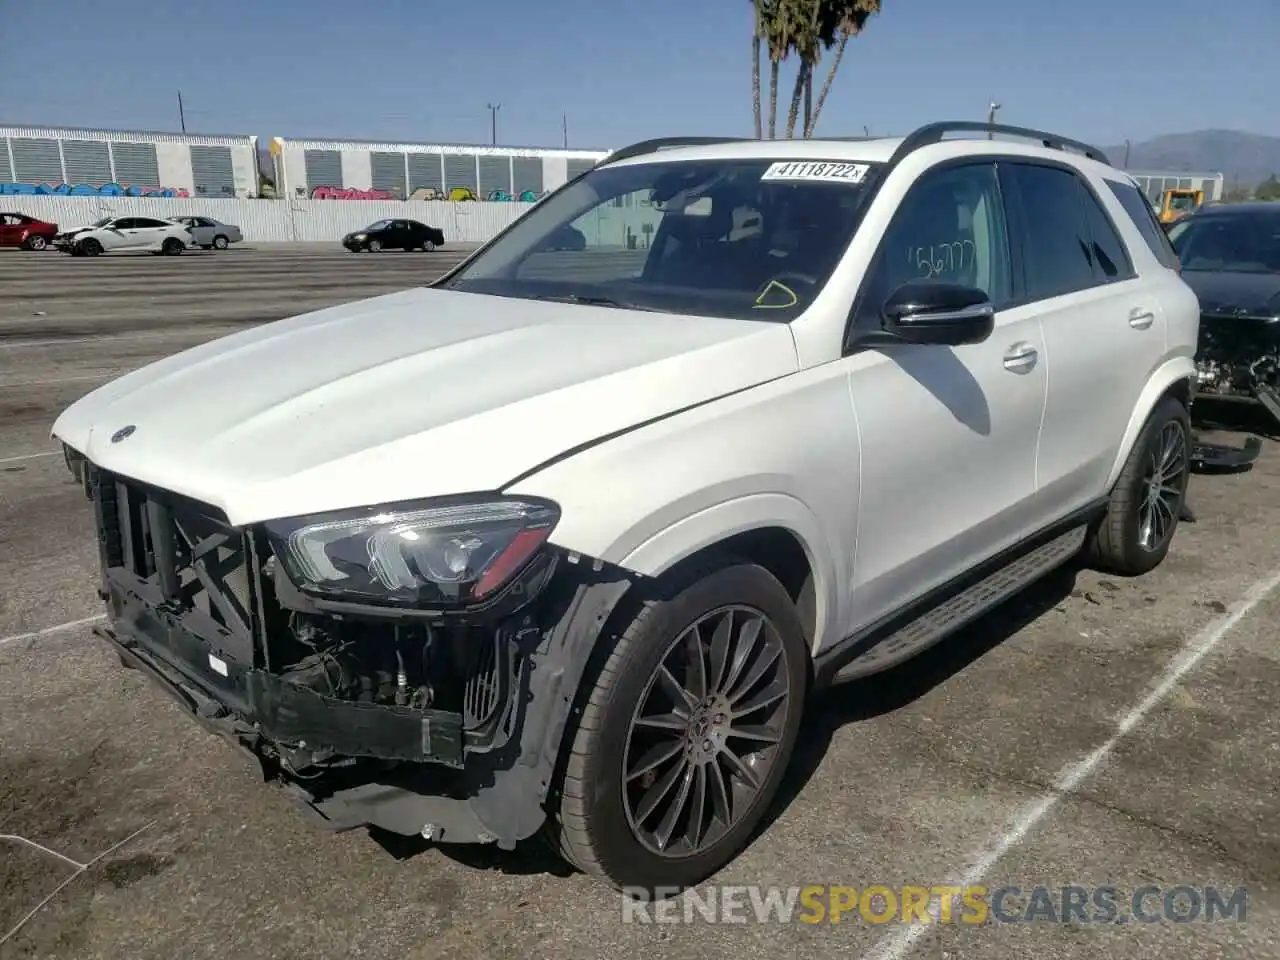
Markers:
point(781, 288)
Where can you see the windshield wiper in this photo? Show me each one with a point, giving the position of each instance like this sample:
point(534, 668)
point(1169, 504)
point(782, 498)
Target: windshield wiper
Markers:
point(594, 301)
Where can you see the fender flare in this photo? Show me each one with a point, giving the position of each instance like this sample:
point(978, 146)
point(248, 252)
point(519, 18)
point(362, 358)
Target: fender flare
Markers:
point(710, 525)
point(1158, 384)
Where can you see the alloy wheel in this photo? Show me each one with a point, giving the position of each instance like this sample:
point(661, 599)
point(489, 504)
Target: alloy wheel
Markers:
point(1163, 485)
point(37, 242)
point(705, 732)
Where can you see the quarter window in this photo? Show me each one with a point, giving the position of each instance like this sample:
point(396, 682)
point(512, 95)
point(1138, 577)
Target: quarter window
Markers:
point(1145, 220)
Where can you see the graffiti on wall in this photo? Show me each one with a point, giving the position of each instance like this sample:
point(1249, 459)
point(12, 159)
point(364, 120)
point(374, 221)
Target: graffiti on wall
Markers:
point(455, 195)
point(87, 190)
point(350, 193)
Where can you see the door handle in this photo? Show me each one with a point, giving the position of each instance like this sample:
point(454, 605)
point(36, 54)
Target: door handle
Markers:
point(1140, 319)
point(1020, 357)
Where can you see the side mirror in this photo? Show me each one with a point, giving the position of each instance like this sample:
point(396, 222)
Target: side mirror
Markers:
point(946, 314)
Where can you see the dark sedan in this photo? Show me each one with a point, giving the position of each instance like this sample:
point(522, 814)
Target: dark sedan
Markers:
point(1230, 257)
point(394, 235)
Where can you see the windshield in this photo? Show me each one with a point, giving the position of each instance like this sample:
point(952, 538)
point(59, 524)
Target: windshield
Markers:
point(1239, 244)
point(730, 238)
point(378, 225)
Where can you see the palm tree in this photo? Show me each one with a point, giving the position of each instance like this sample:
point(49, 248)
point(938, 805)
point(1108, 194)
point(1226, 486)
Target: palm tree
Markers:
point(804, 28)
point(806, 19)
point(756, 30)
point(851, 21)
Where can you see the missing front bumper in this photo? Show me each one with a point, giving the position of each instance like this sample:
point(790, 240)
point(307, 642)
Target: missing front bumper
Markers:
point(427, 797)
point(280, 713)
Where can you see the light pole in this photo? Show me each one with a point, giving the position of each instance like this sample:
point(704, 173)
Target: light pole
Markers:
point(493, 121)
point(991, 118)
point(1126, 154)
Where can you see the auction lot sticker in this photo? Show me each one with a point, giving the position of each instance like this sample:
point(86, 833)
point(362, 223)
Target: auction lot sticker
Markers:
point(827, 171)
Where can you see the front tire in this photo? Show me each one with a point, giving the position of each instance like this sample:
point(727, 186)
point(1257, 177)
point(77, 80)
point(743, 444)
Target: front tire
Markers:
point(89, 247)
point(686, 732)
point(1146, 501)
point(374, 246)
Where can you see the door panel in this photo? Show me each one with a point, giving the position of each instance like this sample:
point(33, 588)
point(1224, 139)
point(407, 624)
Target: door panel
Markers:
point(1103, 326)
point(949, 459)
point(948, 434)
point(118, 236)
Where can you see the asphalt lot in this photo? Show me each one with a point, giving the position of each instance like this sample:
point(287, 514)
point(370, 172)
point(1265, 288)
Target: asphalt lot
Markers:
point(1049, 745)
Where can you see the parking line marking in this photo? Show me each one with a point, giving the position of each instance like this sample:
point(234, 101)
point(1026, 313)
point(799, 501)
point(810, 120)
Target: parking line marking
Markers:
point(895, 945)
point(30, 456)
point(104, 338)
point(42, 383)
point(47, 631)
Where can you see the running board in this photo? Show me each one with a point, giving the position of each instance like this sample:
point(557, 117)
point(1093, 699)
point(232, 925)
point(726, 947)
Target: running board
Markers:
point(936, 623)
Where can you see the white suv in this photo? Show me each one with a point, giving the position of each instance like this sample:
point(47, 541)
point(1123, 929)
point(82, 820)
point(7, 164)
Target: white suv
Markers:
point(563, 542)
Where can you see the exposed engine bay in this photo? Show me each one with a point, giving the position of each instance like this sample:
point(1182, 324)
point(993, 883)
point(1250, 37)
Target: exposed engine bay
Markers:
point(1237, 358)
point(460, 670)
point(1238, 355)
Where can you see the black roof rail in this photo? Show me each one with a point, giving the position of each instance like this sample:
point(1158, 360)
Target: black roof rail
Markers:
point(653, 146)
point(934, 132)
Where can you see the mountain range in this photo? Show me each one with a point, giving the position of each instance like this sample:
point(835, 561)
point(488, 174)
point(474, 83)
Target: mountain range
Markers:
point(1244, 159)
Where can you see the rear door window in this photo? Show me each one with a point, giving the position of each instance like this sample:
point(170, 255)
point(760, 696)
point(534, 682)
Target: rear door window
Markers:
point(1057, 247)
point(1110, 258)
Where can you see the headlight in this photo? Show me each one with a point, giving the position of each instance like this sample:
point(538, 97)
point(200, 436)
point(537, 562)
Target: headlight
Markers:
point(411, 555)
point(359, 236)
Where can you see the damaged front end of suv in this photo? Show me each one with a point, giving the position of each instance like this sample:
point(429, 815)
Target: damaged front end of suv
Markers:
point(378, 663)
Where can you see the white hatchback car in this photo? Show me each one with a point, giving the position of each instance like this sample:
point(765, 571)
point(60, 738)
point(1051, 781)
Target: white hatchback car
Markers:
point(125, 235)
point(563, 542)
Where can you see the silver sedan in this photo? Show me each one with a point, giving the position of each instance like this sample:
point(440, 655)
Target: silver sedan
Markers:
point(209, 233)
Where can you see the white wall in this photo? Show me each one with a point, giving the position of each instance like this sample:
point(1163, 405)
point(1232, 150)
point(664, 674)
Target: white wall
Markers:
point(173, 163)
point(266, 221)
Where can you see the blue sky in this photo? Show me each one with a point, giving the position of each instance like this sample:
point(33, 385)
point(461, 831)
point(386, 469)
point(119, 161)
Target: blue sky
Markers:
point(1101, 70)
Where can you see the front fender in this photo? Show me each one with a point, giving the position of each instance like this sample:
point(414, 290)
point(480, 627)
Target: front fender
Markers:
point(718, 522)
point(1170, 373)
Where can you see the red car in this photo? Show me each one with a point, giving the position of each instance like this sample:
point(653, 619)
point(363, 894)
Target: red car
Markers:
point(19, 230)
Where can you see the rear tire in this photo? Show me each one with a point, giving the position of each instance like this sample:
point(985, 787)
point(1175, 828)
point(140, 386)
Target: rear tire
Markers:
point(220, 242)
point(428, 246)
point(172, 247)
point(628, 829)
point(1146, 501)
point(35, 242)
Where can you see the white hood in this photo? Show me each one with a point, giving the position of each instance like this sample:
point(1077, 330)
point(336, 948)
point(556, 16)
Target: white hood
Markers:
point(412, 395)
